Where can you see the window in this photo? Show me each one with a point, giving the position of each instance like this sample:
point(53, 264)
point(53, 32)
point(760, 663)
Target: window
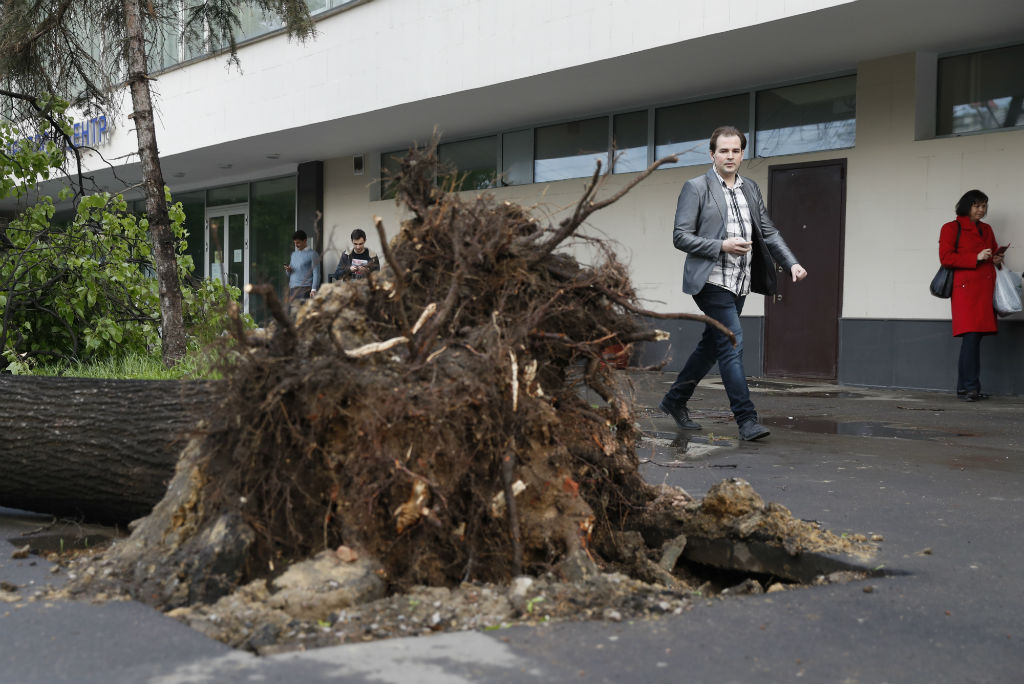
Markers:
point(982, 91)
point(517, 157)
point(684, 130)
point(570, 150)
point(163, 53)
point(629, 138)
point(193, 48)
point(271, 224)
point(229, 194)
point(253, 22)
point(469, 164)
point(194, 205)
point(390, 165)
point(810, 116)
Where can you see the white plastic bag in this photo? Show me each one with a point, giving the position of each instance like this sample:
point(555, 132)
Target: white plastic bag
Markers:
point(1006, 298)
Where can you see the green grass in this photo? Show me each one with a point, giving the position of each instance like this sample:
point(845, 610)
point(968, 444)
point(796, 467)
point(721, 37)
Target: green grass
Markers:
point(197, 365)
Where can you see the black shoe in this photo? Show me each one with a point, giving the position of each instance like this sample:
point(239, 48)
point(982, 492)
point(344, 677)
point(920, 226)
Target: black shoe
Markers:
point(681, 415)
point(977, 395)
point(752, 430)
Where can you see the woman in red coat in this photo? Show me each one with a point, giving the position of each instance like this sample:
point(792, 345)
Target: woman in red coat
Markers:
point(974, 280)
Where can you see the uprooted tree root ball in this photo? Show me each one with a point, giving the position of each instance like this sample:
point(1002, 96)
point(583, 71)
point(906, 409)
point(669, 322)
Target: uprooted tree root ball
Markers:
point(431, 418)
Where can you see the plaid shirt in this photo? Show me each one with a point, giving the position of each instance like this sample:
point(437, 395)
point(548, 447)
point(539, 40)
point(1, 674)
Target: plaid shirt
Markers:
point(732, 271)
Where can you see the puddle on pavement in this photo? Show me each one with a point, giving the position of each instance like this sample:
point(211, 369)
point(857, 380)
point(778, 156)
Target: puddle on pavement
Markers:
point(683, 440)
point(859, 428)
point(769, 384)
point(682, 449)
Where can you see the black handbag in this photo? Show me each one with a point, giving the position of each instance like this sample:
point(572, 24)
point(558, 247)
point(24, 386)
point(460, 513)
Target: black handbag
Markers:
point(942, 283)
point(762, 266)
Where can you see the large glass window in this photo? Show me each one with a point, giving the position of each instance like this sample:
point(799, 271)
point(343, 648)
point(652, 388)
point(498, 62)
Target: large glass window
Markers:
point(254, 22)
point(163, 53)
point(271, 225)
point(570, 150)
point(229, 194)
point(194, 204)
point(629, 141)
point(390, 165)
point(684, 130)
point(810, 116)
point(469, 164)
point(517, 157)
point(982, 91)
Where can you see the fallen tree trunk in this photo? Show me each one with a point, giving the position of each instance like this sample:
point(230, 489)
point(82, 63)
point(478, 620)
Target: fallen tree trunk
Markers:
point(99, 450)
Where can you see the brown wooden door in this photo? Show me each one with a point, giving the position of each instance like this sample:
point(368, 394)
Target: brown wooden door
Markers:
point(807, 202)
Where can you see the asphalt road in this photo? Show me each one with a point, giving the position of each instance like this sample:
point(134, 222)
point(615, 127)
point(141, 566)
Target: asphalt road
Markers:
point(939, 480)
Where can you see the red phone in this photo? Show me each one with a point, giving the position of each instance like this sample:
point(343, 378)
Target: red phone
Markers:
point(1002, 250)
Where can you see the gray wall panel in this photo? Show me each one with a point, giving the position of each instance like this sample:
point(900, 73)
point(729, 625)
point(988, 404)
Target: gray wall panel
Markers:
point(923, 355)
point(919, 354)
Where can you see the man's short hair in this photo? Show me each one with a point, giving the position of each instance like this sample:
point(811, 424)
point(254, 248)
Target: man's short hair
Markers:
point(727, 130)
point(970, 198)
point(358, 233)
point(299, 235)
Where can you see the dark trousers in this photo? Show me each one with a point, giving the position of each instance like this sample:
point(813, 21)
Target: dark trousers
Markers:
point(297, 295)
point(724, 307)
point(968, 377)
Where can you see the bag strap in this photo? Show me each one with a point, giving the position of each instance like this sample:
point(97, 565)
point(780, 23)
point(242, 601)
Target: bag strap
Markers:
point(956, 245)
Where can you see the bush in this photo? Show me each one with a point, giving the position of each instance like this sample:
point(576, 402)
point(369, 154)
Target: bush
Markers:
point(85, 292)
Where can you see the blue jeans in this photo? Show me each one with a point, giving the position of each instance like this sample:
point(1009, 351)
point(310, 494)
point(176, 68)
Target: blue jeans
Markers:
point(724, 307)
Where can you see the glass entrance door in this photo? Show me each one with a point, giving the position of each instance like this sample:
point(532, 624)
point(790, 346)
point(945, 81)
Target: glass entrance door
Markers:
point(227, 246)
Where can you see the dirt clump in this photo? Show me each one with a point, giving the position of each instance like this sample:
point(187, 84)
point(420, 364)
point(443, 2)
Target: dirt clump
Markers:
point(432, 420)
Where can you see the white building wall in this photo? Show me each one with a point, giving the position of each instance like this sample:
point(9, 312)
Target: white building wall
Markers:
point(390, 52)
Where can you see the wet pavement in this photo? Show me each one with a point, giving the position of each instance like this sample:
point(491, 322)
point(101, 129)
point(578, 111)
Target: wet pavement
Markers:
point(939, 480)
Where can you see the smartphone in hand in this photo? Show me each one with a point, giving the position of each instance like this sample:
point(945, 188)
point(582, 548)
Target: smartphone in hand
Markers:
point(1002, 250)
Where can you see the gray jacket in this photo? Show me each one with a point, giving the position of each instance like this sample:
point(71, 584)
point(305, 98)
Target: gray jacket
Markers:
point(699, 231)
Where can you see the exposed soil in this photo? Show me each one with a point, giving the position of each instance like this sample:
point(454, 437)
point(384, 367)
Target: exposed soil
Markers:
point(243, 621)
point(246, 621)
point(265, 617)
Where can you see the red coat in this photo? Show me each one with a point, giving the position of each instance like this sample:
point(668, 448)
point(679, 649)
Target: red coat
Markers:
point(974, 282)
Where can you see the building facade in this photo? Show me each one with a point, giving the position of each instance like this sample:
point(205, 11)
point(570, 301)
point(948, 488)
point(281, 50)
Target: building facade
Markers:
point(867, 120)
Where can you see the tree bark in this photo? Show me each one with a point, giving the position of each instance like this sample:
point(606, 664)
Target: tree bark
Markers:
point(172, 319)
point(100, 450)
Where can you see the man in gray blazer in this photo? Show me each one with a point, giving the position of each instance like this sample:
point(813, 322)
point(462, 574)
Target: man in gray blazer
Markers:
point(723, 226)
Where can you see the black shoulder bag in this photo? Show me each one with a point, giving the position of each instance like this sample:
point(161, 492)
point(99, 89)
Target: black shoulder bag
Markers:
point(942, 283)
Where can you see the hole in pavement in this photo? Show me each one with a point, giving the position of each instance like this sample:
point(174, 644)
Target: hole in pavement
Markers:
point(722, 564)
point(55, 543)
point(66, 536)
